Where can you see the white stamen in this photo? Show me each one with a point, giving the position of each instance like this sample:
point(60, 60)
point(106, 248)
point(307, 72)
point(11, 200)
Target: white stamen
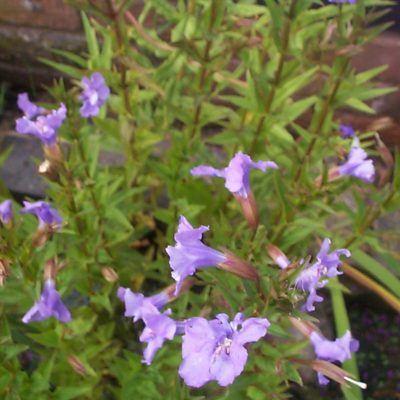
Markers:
point(362, 385)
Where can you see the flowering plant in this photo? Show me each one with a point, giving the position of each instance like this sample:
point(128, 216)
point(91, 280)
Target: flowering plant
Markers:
point(193, 265)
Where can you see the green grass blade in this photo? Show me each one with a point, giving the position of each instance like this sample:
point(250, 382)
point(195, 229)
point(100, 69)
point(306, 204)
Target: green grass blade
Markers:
point(342, 325)
point(379, 272)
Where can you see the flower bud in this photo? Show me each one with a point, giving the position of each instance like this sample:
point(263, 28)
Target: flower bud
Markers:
point(4, 271)
point(335, 373)
point(278, 256)
point(77, 365)
point(304, 327)
point(109, 274)
point(49, 170)
point(249, 209)
point(53, 153)
point(239, 267)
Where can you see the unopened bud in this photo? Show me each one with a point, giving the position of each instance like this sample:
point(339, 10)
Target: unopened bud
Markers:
point(333, 175)
point(109, 274)
point(53, 153)
point(49, 170)
point(4, 271)
point(304, 327)
point(77, 365)
point(335, 373)
point(41, 236)
point(185, 286)
point(239, 267)
point(278, 256)
point(249, 209)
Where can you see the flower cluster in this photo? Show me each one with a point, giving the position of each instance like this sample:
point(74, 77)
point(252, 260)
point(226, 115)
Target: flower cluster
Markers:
point(44, 124)
point(315, 276)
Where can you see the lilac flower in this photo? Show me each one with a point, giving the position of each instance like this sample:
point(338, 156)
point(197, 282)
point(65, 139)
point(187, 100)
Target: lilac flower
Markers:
point(159, 327)
point(189, 253)
point(347, 131)
point(358, 165)
point(46, 215)
point(214, 350)
point(136, 305)
point(326, 266)
point(337, 350)
point(331, 261)
point(49, 305)
point(39, 122)
point(94, 95)
point(236, 174)
point(6, 213)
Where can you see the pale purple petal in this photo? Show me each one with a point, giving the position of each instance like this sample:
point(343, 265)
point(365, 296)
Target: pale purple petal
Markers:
point(94, 95)
point(27, 107)
point(358, 165)
point(6, 213)
point(44, 212)
point(189, 253)
point(236, 174)
point(252, 330)
point(159, 327)
point(195, 368)
point(347, 131)
point(49, 305)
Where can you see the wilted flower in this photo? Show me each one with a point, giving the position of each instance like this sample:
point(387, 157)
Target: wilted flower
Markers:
point(6, 213)
point(158, 328)
point(214, 350)
point(136, 304)
point(237, 181)
point(189, 253)
point(347, 131)
point(94, 95)
point(39, 122)
point(49, 305)
point(326, 266)
point(358, 165)
point(47, 215)
point(337, 350)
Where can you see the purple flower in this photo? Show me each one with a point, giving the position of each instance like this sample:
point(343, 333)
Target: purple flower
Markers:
point(39, 122)
point(236, 174)
point(337, 350)
point(214, 350)
point(46, 215)
point(158, 328)
point(94, 95)
point(136, 304)
point(189, 253)
point(343, 1)
point(326, 266)
point(347, 131)
point(6, 213)
point(358, 165)
point(49, 305)
point(331, 261)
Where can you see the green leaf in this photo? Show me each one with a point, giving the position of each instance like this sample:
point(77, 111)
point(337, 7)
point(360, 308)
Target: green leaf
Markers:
point(381, 273)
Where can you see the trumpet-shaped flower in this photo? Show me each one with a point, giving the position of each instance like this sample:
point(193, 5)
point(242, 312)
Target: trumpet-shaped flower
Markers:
point(158, 328)
point(47, 215)
point(6, 213)
point(94, 95)
point(215, 350)
point(343, 1)
point(312, 277)
point(39, 122)
point(236, 174)
point(358, 165)
point(49, 305)
point(137, 305)
point(189, 253)
point(337, 350)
